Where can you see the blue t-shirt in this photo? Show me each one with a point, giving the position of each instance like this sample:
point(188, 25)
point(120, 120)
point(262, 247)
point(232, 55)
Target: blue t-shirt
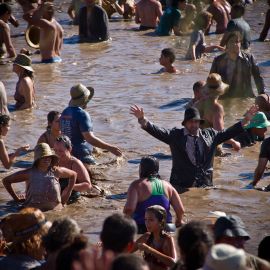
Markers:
point(73, 122)
point(170, 18)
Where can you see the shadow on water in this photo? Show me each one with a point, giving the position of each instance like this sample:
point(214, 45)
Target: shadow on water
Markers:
point(264, 64)
point(159, 156)
point(249, 176)
point(176, 105)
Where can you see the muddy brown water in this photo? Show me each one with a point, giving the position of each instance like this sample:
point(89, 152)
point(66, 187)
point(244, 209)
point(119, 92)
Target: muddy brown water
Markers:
point(118, 71)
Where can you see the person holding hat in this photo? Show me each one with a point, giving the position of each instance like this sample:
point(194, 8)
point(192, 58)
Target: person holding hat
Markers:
point(76, 123)
point(211, 110)
point(23, 233)
point(25, 90)
point(42, 181)
point(192, 148)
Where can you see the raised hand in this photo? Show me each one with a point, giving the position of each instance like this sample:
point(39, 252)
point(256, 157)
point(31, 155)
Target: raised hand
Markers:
point(137, 112)
point(250, 114)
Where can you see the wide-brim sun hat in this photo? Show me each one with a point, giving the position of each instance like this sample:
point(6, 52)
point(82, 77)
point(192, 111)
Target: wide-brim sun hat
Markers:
point(44, 150)
point(19, 226)
point(80, 95)
point(259, 120)
point(192, 114)
point(23, 61)
point(32, 36)
point(214, 86)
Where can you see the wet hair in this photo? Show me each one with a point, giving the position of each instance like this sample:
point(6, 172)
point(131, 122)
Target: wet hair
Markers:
point(238, 10)
point(160, 213)
point(198, 85)
point(66, 141)
point(4, 120)
point(263, 249)
point(194, 241)
point(28, 73)
point(175, 3)
point(149, 166)
point(202, 20)
point(128, 261)
point(70, 253)
point(50, 117)
point(235, 34)
point(169, 52)
point(262, 102)
point(62, 232)
point(4, 8)
point(117, 232)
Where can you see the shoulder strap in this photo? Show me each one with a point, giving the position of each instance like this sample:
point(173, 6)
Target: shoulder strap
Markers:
point(157, 186)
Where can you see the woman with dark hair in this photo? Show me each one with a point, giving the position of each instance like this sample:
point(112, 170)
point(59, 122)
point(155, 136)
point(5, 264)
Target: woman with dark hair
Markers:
point(7, 159)
point(53, 129)
point(150, 190)
point(42, 181)
point(194, 242)
point(25, 91)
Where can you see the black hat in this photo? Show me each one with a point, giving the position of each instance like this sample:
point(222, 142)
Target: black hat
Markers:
point(192, 114)
point(231, 226)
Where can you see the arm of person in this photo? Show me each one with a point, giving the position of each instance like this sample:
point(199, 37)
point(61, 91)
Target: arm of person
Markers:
point(257, 76)
point(7, 41)
point(119, 8)
point(176, 24)
point(142, 239)
point(266, 27)
point(27, 91)
point(193, 52)
point(159, 133)
point(71, 11)
point(21, 176)
point(13, 21)
point(83, 179)
point(158, 10)
point(211, 48)
point(258, 173)
point(62, 172)
point(178, 207)
point(132, 200)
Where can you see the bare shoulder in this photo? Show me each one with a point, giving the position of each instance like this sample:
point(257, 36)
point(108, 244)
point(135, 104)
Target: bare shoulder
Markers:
point(3, 25)
point(218, 108)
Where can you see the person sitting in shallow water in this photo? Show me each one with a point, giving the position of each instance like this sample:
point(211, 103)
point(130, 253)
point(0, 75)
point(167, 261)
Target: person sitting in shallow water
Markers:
point(166, 60)
point(8, 159)
point(149, 190)
point(53, 129)
point(42, 181)
point(63, 148)
point(25, 90)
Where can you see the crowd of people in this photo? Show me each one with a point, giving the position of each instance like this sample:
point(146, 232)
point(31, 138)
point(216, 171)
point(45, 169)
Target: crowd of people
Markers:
point(63, 156)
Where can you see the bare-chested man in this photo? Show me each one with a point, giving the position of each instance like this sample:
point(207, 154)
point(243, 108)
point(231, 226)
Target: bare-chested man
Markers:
point(211, 110)
point(51, 32)
point(5, 39)
point(147, 14)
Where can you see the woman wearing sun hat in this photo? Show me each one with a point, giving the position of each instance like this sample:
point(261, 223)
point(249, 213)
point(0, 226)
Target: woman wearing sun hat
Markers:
point(25, 90)
point(76, 123)
point(42, 181)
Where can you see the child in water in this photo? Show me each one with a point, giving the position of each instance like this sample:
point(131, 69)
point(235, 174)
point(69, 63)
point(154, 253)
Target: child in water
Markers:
point(197, 46)
point(166, 59)
point(158, 246)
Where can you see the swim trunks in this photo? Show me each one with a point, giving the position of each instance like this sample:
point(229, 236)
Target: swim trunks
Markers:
point(55, 59)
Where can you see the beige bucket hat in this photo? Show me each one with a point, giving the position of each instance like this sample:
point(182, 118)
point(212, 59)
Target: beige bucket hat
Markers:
point(44, 150)
point(23, 61)
point(80, 95)
point(32, 36)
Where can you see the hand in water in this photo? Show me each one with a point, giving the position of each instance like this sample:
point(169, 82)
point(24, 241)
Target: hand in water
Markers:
point(236, 146)
point(116, 151)
point(137, 112)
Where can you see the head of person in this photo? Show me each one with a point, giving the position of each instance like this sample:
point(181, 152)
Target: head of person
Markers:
point(191, 12)
point(44, 157)
point(80, 95)
point(5, 12)
point(194, 242)
point(197, 87)
point(231, 230)
point(214, 86)
point(90, 2)
point(263, 102)
point(71, 253)
point(118, 234)
point(130, 262)
point(223, 256)
point(63, 147)
point(263, 249)
point(203, 20)
point(167, 57)
point(155, 218)
point(233, 43)
point(53, 119)
point(258, 125)
point(237, 11)
point(48, 10)
point(192, 120)
point(4, 124)
point(62, 233)
point(179, 4)
point(22, 65)
point(149, 167)
point(24, 230)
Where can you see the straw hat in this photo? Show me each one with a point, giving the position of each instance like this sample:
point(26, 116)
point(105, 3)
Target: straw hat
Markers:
point(22, 225)
point(259, 120)
point(80, 95)
point(44, 150)
point(32, 36)
point(23, 61)
point(224, 257)
point(214, 86)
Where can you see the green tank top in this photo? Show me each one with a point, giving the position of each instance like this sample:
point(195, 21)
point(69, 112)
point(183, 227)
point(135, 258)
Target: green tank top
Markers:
point(157, 186)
